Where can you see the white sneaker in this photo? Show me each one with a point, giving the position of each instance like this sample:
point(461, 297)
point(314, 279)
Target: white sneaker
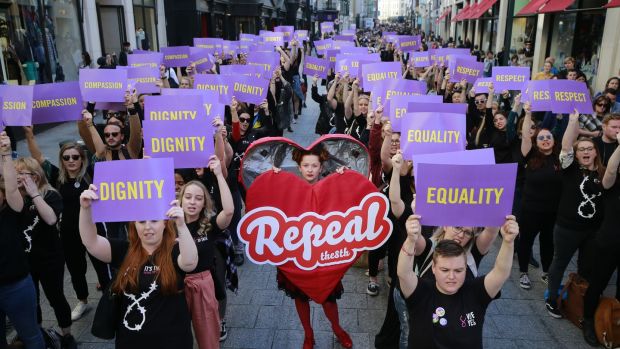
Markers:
point(79, 310)
point(524, 281)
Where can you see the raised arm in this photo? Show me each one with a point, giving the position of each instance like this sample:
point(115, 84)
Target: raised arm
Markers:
point(228, 208)
point(396, 202)
point(572, 132)
point(526, 142)
point(407, 277)
point(386, 157)
point(188, 253)
point(355, 88)
point(33, 147)
point(331, 94)
point(220, 148)
point(287, 61)
point(100, 148)
point(611, 172)
point(13, 198)
point(96, 245)
point(496, 278)
point(135, 127)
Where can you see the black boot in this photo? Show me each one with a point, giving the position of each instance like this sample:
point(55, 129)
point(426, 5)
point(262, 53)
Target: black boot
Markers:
point(589, 335)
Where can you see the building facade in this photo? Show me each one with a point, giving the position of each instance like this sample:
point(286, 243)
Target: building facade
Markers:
point(583, 29)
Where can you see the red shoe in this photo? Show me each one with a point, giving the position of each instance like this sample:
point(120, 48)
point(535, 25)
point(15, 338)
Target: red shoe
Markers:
point(344, 338)
point(308, 342)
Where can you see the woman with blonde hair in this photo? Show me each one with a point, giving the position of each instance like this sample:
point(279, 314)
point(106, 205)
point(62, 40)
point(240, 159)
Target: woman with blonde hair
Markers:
point(152, 266)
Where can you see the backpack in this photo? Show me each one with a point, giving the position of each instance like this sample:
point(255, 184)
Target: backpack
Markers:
point(607, 322)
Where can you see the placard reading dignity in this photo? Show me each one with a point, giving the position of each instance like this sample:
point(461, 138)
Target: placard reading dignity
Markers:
point(133, 190)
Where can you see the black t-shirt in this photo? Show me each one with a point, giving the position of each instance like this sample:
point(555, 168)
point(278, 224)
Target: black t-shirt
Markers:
point(355, 126)
point(605, 149)
point(543, 186)
point(396, 240)
point(150, 319)
point(609, 234)
point(447, 321)
point(581, 205)
point(13, 260)
point(42, 241)
point(204, 244)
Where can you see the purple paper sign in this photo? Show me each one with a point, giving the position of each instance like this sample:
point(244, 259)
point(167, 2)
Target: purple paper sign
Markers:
point(399, 107)
point(408, 43)
point(133, 190)
point(176, 56)
point(427, 133)
point(318, 66)
point(342, 45)
point(464, 68)
point(145, 79)
point(327, 27)
point(16, 105)
point(201, 58)
point(287, 30)
point(238, 69)
point(176, 126)
point(301, 35)
point(482, 85)
point(421, 59)
point(103, 85)
point(57, 102)
point(465, 195)
point(150, 60)
point(384, 34)
point(344, 38)
point(353, 50)
point(350, 32)
point(569, 95)
point(139, 52)
point(323, 45)
point(230, 48)
point(484, 156)
point(380, 73)
point(262, 47)
point(216, 83)
point(510, 78)
point(441, 54)
point(454, 108)
point(540, 95)
point(272, 38)
point(331, 56)
point(248, 89)
point(392, 88)
point(212, 44)
point(267, 62)
point(248, 37)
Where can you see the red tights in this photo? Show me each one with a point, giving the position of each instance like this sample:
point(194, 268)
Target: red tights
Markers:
point(331, 312)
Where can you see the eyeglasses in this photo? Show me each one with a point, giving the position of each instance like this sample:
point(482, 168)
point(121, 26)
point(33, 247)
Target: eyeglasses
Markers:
point(543, 137)
point(481, 101)
point(244, 120)
point(111, 134)
point(463, 231)
point(395, 142)
point(585, 149)
point(604, 105)
point(71, 157)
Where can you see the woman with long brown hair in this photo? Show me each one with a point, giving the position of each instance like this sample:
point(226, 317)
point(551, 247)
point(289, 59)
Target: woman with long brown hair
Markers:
point(541, 195)
point(151, 268)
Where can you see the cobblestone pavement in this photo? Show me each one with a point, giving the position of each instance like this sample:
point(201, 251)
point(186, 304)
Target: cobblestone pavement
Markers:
point(261, 316)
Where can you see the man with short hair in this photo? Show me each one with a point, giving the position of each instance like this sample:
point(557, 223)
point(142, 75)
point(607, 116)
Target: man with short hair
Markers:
point(612, 95)
point(606, 142)
point(449, 313)
point(569, 64)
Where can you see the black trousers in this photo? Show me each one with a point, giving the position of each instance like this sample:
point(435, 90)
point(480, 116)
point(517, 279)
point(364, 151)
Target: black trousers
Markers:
point(49, 272)
point(607, 260)
point(532, 223)
point(374, 257)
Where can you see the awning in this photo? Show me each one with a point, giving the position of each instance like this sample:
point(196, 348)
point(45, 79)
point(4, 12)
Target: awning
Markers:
point(613, 3)
point(532, 7)
point(556, 6)
point(459, 16)
point(470, 11)
point(482, 8)
point(444, 15)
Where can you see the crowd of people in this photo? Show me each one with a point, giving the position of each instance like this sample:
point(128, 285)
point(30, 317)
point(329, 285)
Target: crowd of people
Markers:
point(566, 193)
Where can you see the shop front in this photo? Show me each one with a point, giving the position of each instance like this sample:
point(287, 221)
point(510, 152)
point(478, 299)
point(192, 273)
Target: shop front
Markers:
point(145, 20)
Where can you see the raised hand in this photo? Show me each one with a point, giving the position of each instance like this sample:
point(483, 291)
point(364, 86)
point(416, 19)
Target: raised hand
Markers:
point(88, 196)
point(413, 227)
point(176, 213)
point(510, 229)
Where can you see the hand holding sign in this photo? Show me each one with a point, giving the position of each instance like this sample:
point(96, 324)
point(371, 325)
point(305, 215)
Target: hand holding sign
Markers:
point(510, 229)
point(88, 196)
point(397, 161)
point(176, 213)
point(215, 165)
point(413, 228)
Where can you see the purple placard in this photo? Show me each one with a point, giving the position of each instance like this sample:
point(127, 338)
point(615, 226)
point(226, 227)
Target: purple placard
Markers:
point(287, 30)
point(16, 105)
point(213, 44)
point(230, 48)
point(421, 59)
point(176, 56)
point(384, 34)
point(323, 45)
point(331, 56)
point(145, 79)
point(464, 68)
point(441, 54)
point(399, 106)
point(301, 35)
point(248, 89)
point(201, 58)
point(342, 45)
point(380, 73)
point(103, 85)
point(216, 83)
point(350, 32)
point(344, 38)
point(139, 52)
point(238, 69)
point(351, 63)
point(262, 47)
point(454, 108)
point(146, 187)
point(327, 27)
point(175, 126)
point(408, 43)
point(385, 92)
point(248, 37)
point(540, 94)
point(569, 95)
point(510, 78)
point(57, 102)
point(150, 60)
point(272, 38)
point(465, 195)
point(482, 85)
point(267, 61)
point(431, 132)
point(318, 66)
point(353, 50)
point(484, 156)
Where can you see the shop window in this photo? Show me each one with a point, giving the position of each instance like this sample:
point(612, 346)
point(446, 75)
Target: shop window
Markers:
point(523, 30)
point(145, 17)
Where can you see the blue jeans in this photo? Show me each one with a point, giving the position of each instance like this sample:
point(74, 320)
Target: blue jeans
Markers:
point(18, 301)
point(297, 87)
point(403, 316)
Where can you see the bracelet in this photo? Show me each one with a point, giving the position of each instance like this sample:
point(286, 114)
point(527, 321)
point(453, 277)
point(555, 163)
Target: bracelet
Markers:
point(402, 248)
point(36, 196)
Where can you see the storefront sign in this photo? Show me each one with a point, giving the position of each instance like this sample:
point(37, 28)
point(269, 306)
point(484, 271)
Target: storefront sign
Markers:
point(103, 85)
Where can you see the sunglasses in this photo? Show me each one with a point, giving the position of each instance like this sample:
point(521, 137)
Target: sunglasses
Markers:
point(71, 157)
point(111, 134)
point(543, 137)
point(244, 120)
point(604, 105)
point(482, 101)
